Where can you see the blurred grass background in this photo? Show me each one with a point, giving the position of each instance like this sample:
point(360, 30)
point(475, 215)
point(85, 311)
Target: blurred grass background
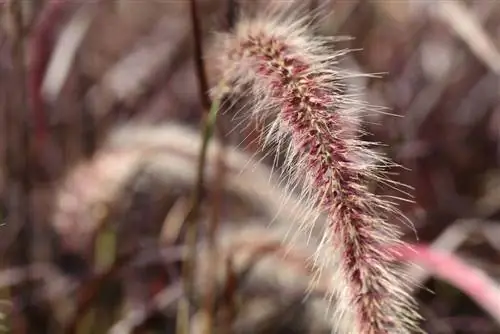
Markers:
point(438, 64)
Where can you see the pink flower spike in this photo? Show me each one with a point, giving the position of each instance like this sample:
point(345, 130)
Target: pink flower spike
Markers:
point(291, 77)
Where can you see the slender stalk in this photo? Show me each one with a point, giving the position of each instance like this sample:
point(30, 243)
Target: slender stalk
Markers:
point(202, 77)
point(192, 221)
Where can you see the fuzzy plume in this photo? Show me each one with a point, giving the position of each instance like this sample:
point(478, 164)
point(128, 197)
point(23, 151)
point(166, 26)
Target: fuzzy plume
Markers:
point(292, 79)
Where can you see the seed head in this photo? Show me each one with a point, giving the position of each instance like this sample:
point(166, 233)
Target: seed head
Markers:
point(291, 77)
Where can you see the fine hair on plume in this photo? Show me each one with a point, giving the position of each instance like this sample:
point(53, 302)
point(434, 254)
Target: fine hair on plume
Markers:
point(292, 86)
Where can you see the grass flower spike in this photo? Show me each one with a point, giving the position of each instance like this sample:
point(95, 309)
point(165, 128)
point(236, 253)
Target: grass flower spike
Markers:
point(291, 77)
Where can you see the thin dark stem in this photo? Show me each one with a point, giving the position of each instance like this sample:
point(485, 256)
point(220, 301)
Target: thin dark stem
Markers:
point(19, 161)
point(232, 12)
point(198, 49)
point(192, 219)
point(40, 49)
point(89, 291)
point(213, 224)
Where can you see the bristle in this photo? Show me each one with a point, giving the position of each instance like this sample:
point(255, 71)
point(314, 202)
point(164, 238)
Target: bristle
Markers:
point(293, 79)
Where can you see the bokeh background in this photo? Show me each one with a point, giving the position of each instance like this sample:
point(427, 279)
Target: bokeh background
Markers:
point(92, 238)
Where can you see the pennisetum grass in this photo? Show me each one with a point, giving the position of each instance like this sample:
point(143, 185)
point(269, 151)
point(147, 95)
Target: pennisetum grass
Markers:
point(292, 79)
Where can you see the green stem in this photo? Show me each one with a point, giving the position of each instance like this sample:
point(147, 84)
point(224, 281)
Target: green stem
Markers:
point(192, 221)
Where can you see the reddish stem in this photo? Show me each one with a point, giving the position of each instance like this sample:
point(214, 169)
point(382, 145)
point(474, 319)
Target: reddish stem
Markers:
point(448, 267)
point(40, 50)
